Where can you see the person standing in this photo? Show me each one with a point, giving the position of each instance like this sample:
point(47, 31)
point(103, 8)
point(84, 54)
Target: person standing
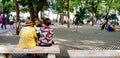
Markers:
point(11, 21)
point(27, 36)
point(3, 22)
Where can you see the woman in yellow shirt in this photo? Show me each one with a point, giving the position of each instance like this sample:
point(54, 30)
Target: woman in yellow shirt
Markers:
point(27, 36)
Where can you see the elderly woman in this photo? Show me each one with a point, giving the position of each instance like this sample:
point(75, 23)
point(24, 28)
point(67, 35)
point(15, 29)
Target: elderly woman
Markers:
point(46, 34)
point(27, 36)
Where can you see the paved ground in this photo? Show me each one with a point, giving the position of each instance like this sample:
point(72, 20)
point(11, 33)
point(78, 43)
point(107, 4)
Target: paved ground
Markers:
point(86, 38)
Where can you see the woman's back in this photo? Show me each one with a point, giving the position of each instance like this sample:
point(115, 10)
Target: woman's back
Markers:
point(27, 37)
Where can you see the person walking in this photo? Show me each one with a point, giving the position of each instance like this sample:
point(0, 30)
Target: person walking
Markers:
point(11, 21)
point(27, 36)
point(3, 22)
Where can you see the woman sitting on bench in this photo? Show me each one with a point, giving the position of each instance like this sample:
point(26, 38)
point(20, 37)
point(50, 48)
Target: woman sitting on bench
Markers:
point(46, 35)
point(27, 36)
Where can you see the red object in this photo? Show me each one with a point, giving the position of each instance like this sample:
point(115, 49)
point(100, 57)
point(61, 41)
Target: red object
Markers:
point(0, 18)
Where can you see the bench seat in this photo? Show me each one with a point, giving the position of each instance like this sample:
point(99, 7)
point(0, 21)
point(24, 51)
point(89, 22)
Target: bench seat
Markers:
point(94, 53)
point(10, 49)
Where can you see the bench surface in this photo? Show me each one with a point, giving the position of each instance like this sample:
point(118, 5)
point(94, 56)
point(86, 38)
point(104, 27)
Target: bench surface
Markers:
point(38, 49)
point(93, 53)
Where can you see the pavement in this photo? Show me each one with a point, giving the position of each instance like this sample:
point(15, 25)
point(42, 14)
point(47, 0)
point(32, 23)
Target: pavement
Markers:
point(7, 30)
point(85, 38)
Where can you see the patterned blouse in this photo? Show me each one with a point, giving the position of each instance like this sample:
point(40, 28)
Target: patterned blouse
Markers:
point(46, 35)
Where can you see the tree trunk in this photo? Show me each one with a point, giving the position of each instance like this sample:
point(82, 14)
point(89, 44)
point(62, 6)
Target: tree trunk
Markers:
point(93, 13)
point(62, 19)
point(106, 17)
point(68, 21)
point(41, 14)
point(36, 15)
point(17, 19)
point(57, 17)
point(32, 15)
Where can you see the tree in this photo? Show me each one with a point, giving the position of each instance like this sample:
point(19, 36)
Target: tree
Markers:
point(92, 7)
point(34, 6)
point(80, 14)
point(62, 18)
point(68, 21)
point(18, 18)
point(57, 8)
point(108, 4)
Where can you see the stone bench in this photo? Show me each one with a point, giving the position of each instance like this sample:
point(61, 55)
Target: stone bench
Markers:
point(7, 50)
point(94, 53)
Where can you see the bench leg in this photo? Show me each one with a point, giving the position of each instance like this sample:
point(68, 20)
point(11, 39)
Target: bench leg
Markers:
point(51, 56)
point(5, 56)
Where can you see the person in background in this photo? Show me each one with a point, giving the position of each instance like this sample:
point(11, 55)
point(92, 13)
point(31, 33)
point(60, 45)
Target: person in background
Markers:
point(3, 22)
point(37, 21)
point(11, 21)
point(103, 26)
point(27, 36)
point(37, 27)
point(109, 28)
point(114, 28)
point(0, 19)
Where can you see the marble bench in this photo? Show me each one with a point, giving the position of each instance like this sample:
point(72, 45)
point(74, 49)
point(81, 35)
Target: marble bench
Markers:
point(94, 53)
point(7, 50)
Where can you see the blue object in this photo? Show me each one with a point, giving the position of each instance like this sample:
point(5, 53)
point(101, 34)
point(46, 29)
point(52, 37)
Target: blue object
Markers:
point(109, 28)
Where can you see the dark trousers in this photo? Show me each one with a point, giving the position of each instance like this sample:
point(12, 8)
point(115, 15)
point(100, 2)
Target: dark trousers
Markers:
point(3, 25)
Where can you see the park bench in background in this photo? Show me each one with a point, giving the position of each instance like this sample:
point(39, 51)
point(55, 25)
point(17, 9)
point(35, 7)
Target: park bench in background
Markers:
point(7, 50)
point(94, 53)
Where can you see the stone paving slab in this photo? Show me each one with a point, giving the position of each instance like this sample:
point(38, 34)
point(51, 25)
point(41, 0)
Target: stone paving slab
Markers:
point(94, 53)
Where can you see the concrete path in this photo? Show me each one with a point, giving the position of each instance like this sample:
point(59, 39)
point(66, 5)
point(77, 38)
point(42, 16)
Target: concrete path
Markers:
point(86, 38)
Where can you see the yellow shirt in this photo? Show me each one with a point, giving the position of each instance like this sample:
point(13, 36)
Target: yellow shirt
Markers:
point(114, 29)
point(27, 37)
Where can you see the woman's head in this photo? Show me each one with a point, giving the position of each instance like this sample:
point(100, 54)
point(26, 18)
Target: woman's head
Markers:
point(47, 21)
point(29, 22)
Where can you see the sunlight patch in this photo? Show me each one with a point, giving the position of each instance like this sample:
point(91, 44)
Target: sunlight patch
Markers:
point(118, 50)
point(7, 35)
point(92, 42)
point(89, 47)
point(57, 42)
point(61, 39)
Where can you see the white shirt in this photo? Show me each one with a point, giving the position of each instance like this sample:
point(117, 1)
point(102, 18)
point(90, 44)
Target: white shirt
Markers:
point(38, 29)
point(11, 18)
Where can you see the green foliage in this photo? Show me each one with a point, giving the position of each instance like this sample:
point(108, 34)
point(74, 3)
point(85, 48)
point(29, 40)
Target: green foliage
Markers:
point(24, 9)
point(0, 4)
point(7, 6)
point(80, 14)
point(57, 6)
point(37, 4)
point(23, 2)
point(10, 6)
